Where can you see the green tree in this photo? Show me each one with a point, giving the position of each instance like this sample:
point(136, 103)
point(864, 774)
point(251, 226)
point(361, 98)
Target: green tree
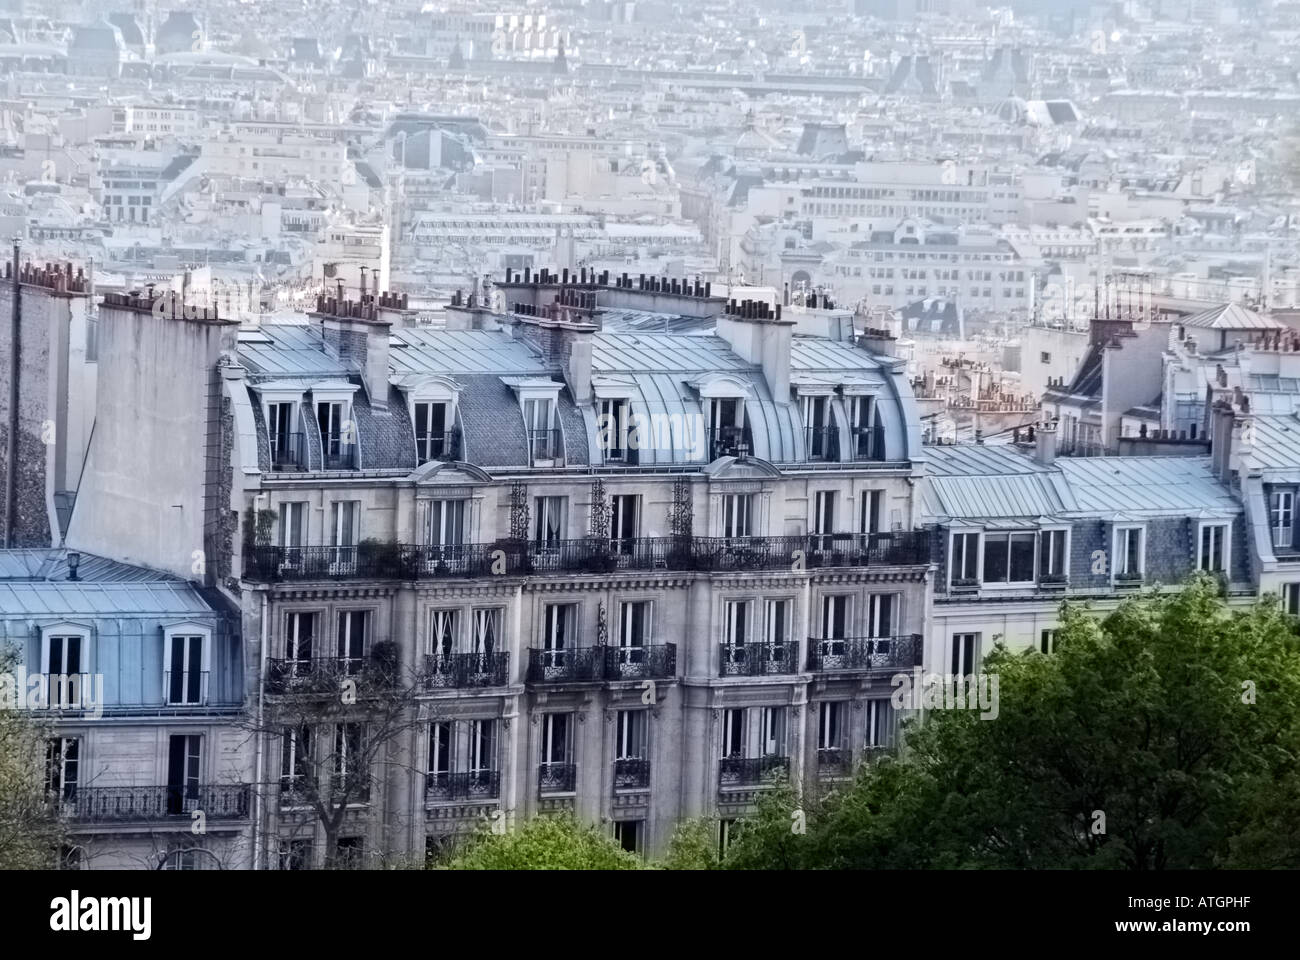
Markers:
point(30, 832)
point(693, 846)
point(1165, 736)
point(546, 843)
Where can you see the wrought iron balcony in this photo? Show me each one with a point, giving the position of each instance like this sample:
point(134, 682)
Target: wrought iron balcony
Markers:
point(631, 774)
point(438, 446)
point(752, 771)
point(461, 670)
point(863, 653)
point(288, 453)
point(834, 762)
point(602, 663)
point(470, 785)
point(337, 455)
point(759, 659)
point(822, 443)
point(322, 675)
point(728, 442)
point(545, 445)
point(151, 804)
point(379, 560)
point(862, 445)
point(557, 777)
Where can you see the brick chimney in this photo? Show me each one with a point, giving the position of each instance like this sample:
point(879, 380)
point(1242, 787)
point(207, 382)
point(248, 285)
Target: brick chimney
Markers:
point(759, 335)
point(354, 333)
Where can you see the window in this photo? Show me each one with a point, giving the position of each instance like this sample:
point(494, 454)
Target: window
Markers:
point(831, 726)
point(293, 528)
point(735, 629)
point(185, 674)
point(286, 443)
point(329, 417)
point(345, 517)
point(1052, 555)
point(965, 558)
point(542, 441)
point(440, 750)
point(548, 520)
point(733, 733)
point(351, 645)
point(881, 614)
point(819, 433)
point(965, 653)
point(871, 503)
point(1129, 552)
point(295, 854)
point(351, 781)
point(633, 631)
point(183, 772)
point(300, 632)
point(726, 426)
point(1291, 598)
point(835, 624)
point(486, 631)
point(62, 765)
point(824, 519)
point(630, 756)
point(442, 638)
point(295, 764)
point(737, 515)
point(432, 431)
point(613, 423)
point(444, 524)
point(1213, 553)
point(64, 659)
point(351, 850)
point(628, 834)
point(879, 727)
point(624, 521)
point(1008, 558)
point(772, 731)
point(726, 832)
point(1281, 510)
point(482, 746)
point(559, 623)
point(776, 627)
point(556, 743)
point(1047, 641)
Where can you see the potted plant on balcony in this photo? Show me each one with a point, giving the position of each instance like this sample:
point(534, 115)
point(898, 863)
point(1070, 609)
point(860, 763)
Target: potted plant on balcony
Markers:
point(380, 558)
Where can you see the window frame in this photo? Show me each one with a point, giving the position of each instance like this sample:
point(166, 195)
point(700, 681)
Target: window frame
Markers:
point(187, 631)
point(1224, 545)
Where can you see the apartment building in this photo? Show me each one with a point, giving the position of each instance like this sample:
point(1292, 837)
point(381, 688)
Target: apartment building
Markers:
point(139, 678)
point(625, 575)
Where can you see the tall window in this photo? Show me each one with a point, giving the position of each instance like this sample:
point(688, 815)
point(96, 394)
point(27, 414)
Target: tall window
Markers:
point(293, 527)
point(824, 518)
point(557, 747)
point(776, 627)
point(345, 517)
point(735, 629)
point(772, 727)
point(64, 658)
point(830, 724)
point(630, 735)
point(559, 625)
point(432, 431)
point(835, 624)
point(965, 557)
point(482, 743)
point(879, 723)
point(738, 515)
point(871, 505)
point(183, 772)
point(351, 640)
point(539, 423)
point(549, 520)
point(1213, 552)
point(734, 740)
point(62, 767)
point(441, 746)
point(351, 779)
point(862, 418)
point(444, 524)
point(882, 614)
point(624, 521)
point(818, 433)
point(1281, 510)
point(613, 425)
point(726, 426)
point(286, 447)
point(186, 674)
point(965, 653)
point(1051, 554)
point(329, 417)
point(485, 637)
point(1047, 641)
point(300, 633)
point(633, 631)
point(1291, 598)
point(1129, 552)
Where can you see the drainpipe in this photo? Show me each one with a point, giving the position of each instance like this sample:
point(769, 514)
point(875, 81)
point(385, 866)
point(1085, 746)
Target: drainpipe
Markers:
point(11, 442)
point(258, 784)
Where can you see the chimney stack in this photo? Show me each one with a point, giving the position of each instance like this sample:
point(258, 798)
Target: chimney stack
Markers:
point(1045, 443)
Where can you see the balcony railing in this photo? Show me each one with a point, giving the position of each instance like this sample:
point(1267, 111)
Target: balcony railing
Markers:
point(337, 455)
point(834, 762)
point(438, 446)
point(470, 785)
point(863, 653)
point(631, 774)
point(149, 804)
point(728, 442)
point(461, 670)
point(602, 663)
point(557, 777)
point(288, 452)
point(862, 445)
point(545, 445)
point(398, 561)
point(759, 659)
point(751, 771)
point(822, 443)
point(322, 675)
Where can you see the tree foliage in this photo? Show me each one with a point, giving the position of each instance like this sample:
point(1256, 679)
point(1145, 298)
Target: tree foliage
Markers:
point(1166, 736)
point(545, 843)
point(30, 832)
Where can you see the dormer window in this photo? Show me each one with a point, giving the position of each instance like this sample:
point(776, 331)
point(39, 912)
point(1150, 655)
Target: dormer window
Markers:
point(864, 422)
point(329, 416)
point(433, 431)
point(726, 426)
point(539, 421)
point(614, 425)
point(287, 451)
point(821, 436)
